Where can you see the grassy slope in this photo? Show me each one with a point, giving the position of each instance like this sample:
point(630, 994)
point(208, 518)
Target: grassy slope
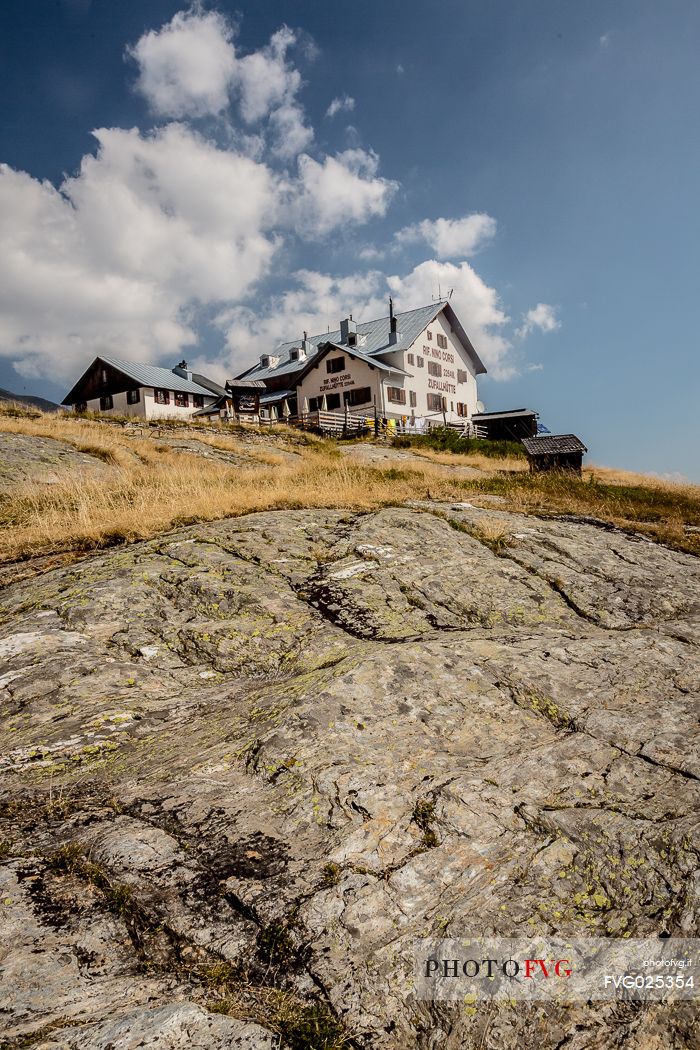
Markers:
point(153, 489)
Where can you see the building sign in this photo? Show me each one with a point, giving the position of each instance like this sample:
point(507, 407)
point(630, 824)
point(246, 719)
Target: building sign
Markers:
point(437, 384)
point(439, 355)
point(243, 403)
point(337, 381)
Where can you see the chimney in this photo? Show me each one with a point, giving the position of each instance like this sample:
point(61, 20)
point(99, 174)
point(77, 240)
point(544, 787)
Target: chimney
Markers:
point(307, 346)
point(182, 370)
point(393, 334)
point(348, 328)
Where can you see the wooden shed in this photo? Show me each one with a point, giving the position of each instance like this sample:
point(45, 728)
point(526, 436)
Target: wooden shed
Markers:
point(555, 452)
point(513, 425)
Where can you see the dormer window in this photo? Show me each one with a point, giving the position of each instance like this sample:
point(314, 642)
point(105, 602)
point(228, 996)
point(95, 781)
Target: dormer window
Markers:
point(264, 361)
point(352, 339)
point(293, 355)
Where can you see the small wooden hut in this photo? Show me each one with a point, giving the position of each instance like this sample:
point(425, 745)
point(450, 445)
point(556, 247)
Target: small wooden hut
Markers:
point(555, 452)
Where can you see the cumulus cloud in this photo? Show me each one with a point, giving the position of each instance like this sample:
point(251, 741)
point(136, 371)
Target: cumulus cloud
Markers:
point(190, 68)
point(290, 134)
point(543, 316)
point(314, 303)
point(266, 79)
point(186, 68)
point(340, 104)
point(161, 230)
point(476, 304)
point(451, 238)
point(340, 190)
point(122, 254)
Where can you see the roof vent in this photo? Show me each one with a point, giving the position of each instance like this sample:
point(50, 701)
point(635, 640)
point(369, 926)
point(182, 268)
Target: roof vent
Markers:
point(348, 328)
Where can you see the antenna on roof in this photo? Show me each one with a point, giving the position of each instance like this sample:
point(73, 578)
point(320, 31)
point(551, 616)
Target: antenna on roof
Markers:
point(450, 295)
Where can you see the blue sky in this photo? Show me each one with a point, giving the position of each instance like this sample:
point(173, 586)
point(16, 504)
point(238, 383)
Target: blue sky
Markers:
point(223, 206)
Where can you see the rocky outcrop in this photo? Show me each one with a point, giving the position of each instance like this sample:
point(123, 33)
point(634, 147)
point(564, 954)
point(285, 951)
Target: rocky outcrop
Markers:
point(246, 764)
point(44, 461)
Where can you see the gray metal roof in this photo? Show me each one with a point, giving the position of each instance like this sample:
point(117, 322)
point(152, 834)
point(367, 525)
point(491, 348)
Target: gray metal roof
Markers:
point(553, 443)
point(151, 375)
point(352, 351)
point(410, 324)
point(245, 384)
point(276, 395)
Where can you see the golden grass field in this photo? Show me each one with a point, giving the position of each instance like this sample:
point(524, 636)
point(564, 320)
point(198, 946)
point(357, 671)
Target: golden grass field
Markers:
point(151, 488)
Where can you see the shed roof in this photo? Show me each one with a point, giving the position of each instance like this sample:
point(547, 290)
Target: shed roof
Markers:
point(410, 324)
point(546, 444)
point(513, 413)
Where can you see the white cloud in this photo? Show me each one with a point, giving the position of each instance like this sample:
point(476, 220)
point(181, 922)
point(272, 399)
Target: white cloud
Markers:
point(604, 40)
point(340, 190)
point(451, 238)
point(476, 304)
point(186, 67)
point(542, 316)
point(315, 303)
point(190, 68)
point(158, 230)
point(340, 104)
point(122, 255)
point(265, 78)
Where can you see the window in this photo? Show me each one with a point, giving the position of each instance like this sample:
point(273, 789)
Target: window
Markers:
point(80, 406)
point(314, 404)
point(434, 402)
point(442, 341)
point(335, 364)
point(411, 359)
point(161, 397)
point(396, 394)
point(352, 339)
point(293, 355)
point(198, 400)
point(461, 409)
point(133, 396)
point(103, 375)
point(412, 398)
point(434, 369)
point(182, 400)
point(106, 403)
point(419, 362)
point(333, 402)
point(264, 361)
point(461, 376)
point(452, 406)
point(357, 397)
point(429, 336)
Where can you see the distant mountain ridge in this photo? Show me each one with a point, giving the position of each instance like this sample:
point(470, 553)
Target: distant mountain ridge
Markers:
point(29, 399)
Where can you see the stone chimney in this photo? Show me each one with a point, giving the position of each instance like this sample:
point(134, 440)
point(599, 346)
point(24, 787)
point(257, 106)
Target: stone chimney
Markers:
point(348, 332)
point(393, 333)
point(182, 370)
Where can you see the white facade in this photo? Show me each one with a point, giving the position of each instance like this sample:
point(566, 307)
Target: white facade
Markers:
point(440, 384)
point(147, 407)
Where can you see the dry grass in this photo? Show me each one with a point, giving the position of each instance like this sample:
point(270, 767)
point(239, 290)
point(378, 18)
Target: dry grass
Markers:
point(155, 489)
point(151, 488)
point(486, 463)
